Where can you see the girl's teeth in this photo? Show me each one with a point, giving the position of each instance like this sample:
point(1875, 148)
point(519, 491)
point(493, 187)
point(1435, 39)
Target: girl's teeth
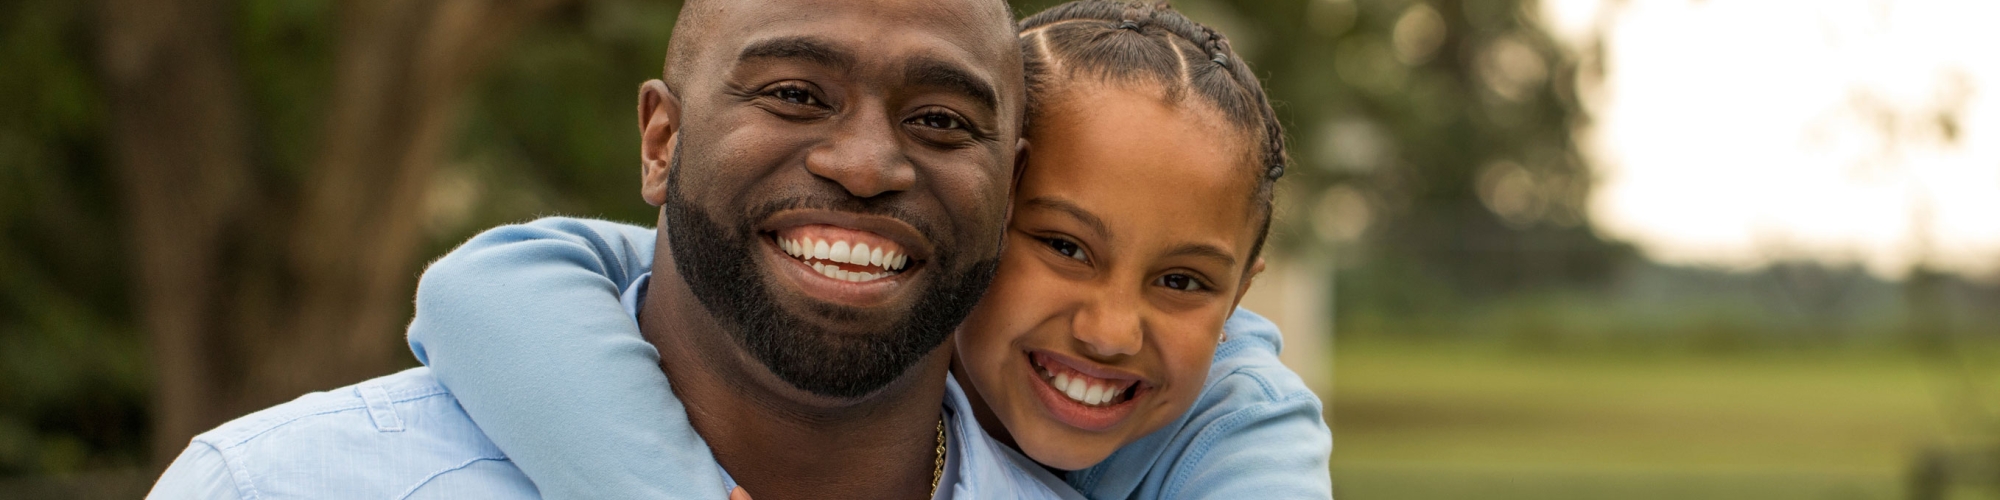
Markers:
point(1080, 389)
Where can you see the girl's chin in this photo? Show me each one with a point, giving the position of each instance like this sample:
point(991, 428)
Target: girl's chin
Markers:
point(1061, 452)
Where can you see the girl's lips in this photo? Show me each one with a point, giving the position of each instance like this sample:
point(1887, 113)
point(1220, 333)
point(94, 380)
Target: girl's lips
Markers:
point(1091, 401)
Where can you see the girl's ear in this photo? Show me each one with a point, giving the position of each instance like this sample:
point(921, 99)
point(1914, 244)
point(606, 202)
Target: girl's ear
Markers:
point(659, 126)
point(1249, 278)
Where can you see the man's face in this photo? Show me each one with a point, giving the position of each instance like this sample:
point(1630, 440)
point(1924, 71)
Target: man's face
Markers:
point(813, 129)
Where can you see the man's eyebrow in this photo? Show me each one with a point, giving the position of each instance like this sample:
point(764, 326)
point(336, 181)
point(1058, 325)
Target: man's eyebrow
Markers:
point(938, 73)
point(1074, 211)
point(811, 49)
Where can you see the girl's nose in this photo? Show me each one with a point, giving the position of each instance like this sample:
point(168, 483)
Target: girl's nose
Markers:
point(1110, 325)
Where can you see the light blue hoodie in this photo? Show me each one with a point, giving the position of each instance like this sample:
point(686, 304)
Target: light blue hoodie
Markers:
point(523, 324)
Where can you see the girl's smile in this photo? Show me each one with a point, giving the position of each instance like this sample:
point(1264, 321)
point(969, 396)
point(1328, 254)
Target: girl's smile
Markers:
point(1083, 394)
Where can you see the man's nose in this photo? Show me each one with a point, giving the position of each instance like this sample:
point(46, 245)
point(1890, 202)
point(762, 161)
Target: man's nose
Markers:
point(1110, 326)
point(865, 156)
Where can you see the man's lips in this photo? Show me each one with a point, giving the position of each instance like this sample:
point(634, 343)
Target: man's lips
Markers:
point(844, 258)
point(844, 254)
point(875, 230)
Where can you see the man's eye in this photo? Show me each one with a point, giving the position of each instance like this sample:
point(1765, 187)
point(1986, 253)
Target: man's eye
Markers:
point(795, 96)
point(1066, 248)
point(940, 121)
point(1180, 282)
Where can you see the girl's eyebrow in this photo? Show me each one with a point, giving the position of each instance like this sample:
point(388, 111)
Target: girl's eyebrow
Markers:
point(1203, 250)
point(1074, 211)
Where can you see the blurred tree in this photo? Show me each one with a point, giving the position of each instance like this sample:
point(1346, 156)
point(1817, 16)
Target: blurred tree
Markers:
point(258, 280)
point(72, 369)
point(207, 207)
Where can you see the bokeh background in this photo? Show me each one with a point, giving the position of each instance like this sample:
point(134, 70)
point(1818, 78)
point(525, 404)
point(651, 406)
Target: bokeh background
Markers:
point(1529, 249)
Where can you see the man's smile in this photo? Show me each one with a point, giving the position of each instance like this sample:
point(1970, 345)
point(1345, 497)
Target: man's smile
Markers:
point(844, 254)
point(846, 258)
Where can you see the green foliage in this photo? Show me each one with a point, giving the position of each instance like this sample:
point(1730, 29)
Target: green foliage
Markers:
point(549, 131)
point(553, 129)
point(72, 367)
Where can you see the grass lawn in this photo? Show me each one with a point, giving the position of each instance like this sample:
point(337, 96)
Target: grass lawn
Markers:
point(1419, 421)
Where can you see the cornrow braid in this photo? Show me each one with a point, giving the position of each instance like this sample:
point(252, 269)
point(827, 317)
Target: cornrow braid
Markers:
point(1127, 43)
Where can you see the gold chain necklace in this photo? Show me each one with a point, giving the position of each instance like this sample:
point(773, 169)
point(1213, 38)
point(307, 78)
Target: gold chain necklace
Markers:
point(937, 472)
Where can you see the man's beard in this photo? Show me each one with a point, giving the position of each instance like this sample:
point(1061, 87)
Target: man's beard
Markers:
point(719, 266)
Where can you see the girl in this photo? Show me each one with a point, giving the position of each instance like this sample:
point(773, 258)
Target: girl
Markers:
point(1105, 348)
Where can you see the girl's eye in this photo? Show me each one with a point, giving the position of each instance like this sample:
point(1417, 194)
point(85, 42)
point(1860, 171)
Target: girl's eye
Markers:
point(939, 121)
point(795, 95)
point(1180, 282)
point(1066, 248)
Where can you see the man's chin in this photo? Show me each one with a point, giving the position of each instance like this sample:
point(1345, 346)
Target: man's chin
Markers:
point(831, 337)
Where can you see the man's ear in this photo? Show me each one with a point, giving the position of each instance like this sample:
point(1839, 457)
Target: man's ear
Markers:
point(1249, 278)
point(659, 129)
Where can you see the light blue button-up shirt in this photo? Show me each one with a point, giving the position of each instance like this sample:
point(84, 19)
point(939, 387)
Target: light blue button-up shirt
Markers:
point(532, 312)
point(404, 436)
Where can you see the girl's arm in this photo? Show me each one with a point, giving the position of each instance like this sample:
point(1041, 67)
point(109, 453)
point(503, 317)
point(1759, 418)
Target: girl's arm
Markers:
point(523, 323)
point(1255, 432)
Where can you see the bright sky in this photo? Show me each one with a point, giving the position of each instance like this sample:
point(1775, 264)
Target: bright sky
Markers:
point(1734, 132)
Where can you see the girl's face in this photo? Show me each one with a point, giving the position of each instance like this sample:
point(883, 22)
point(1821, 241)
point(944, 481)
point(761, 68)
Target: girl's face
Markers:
point(1125, 254)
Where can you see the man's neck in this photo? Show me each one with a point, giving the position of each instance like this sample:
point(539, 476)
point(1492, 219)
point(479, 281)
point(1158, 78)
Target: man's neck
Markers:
point(777, 441)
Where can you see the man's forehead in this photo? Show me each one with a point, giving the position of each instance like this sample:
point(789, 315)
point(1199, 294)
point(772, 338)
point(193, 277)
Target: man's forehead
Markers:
point(877, 30)
point(950, 15)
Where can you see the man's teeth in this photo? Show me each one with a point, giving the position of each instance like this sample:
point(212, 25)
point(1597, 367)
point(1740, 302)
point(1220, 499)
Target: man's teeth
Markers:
point(1082, 389)
point(858, 254)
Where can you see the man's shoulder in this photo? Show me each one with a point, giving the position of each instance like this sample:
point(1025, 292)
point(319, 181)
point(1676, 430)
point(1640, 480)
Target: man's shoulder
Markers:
point(397, 436)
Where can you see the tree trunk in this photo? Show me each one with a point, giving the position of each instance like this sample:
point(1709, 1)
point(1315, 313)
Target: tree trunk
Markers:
point(251, 292)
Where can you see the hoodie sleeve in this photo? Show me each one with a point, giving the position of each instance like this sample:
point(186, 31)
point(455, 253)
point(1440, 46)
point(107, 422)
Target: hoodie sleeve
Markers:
point(523, 324)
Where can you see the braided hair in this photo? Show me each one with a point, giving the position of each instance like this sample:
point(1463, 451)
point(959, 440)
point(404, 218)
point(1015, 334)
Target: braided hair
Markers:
point(1126, 43)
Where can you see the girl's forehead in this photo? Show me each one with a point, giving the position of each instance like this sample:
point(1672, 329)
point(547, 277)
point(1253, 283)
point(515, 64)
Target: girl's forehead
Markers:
point(1102, 129)
point(1131, 157)
point(1140, 112)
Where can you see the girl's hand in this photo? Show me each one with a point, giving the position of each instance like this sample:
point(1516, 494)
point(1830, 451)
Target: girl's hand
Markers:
point(739, 494)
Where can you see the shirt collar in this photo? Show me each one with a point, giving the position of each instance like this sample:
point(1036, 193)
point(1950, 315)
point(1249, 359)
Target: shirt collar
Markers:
point(971, 455)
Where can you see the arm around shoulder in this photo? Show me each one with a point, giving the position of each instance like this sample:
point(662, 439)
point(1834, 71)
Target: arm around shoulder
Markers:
point(524, 325)
point(1263, 431)
point(199, 473)
point(1275, 450)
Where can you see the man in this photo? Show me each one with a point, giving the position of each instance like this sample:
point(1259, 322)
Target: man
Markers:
point(889, 121)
